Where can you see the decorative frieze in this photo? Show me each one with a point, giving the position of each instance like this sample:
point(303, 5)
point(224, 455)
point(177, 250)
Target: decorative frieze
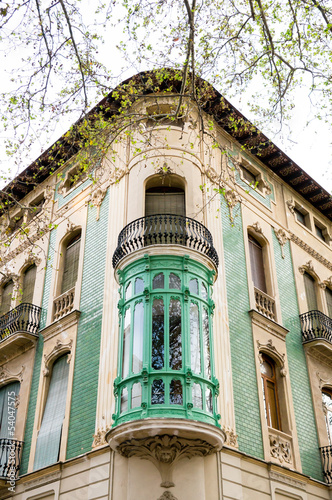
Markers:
point(311, 251)
point(164, 452)
point(281, 478)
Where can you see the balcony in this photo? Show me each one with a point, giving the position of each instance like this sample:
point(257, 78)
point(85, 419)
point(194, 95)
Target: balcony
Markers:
point(64, 304)
point(164, 229)
point(264, 304)
point(326, 452)
point(18, 328)
point(317, 333)
point(10, 456)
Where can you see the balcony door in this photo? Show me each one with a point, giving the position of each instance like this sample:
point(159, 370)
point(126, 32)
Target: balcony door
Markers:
point(310, 291)
point(165, 200)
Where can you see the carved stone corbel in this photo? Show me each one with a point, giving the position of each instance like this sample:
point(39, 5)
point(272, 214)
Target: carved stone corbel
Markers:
point(59, 348)
point(291, 205)
point(231, 437)
point(232, 199)
point(96, 199)
point(308, 267)
point(328, 282)
point(282, 237)
point(257, 227)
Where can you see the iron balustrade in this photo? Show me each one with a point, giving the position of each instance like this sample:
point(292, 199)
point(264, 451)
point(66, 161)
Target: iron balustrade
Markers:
point(10, 456)
point(23, 318)
point(326, 452)
point(164, 229)
point(316, 325)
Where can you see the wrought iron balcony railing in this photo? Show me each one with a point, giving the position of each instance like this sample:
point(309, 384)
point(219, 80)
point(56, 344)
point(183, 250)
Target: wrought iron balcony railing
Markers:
point(165, 229)
point(326, 452)
point(10, 456)
point(316, 325)
point(23, 318)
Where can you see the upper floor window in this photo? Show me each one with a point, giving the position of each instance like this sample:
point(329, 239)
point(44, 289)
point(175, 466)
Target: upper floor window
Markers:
point(310, 292)
point(328, 295)
point(6, 297)
point(71, 260)
point(327, 409)
point(8, 406)
point(269, 385)
point(164, 200)
point(257, 264)
point(29, 278)
point(49, 435)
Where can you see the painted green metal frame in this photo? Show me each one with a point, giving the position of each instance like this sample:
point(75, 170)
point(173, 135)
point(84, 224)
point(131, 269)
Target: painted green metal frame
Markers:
point(186, 269)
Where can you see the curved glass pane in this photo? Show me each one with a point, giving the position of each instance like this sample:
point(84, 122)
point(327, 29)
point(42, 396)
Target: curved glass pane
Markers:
point(196, 395)
point(266, 369)
point(128, 293)
point(136, 395)
point(193, 286)
point(158, 281)
point(195, 351)
point(174, 282)
point(175, 341)
point(327, 408)
point(139, 285)
point(206, 344)
point(175, 393)
point(124, 399)
point(126, 345)
point(158, 343)
point(158, 392)
point(138, 338)
point(208, 400)
point(204, 292)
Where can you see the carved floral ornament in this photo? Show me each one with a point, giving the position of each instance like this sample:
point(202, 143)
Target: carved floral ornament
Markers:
point(232, 199)
point(291, 205)
point(7, 275)
point(280, 449)
point(231, 437)
point(167, 495)
point(164, 452)
point(59, 348)
point(308, 267)
point(96, 199)
point(282, 237)
point(7, 376)
point(257, 227)
point(272, 351)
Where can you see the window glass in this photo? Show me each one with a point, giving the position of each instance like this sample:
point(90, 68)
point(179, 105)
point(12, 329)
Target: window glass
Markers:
point(126, 344)
point(158, 392)
point(8, 399)
point(165, 200)
point(158, 343)
point(248, 176)
point(328, 294)
point(49, 436)
point(300, 216)
point(193, 286)
point(175, 393)
point(6, 297)
point(269, 386)
point(29, 279)
point(319, 232)
point(139, 285)
point(195, 351)
point(327, 408)
point(174, 282)
point(136, 395)
point(70, 270)
point(257, 264)
point(310, 291)
point(175, 341)
point(208, 400)
point(158, 281)
point(138, 338)
point(197, 396)
point(206, 344)
point(204, 292)
point(124, 400)
point(128, 292)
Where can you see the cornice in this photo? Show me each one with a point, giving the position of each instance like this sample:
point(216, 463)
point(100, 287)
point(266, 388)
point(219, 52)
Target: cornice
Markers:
point(310, 251)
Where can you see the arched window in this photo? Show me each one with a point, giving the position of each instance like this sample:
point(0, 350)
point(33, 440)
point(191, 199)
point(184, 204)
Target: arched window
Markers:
point(257, 264)
point(8, 400)
point(310, 292)
point(49, 435)
point(6, 297)
point(328, 295)
point(270, 395)
point(71, 260)
point(164, 200)
point(29, 278)
point(327, 408)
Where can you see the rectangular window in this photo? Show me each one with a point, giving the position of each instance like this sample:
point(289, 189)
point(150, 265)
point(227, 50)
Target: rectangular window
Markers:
point(71, 264)
point(310, 291)
point(257, 264)
point(29, 279)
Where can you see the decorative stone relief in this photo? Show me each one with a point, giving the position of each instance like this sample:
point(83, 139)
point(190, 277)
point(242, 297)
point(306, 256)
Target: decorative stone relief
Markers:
point(282, 237)
point(232, 199)
point(31, 259)
point(71, 226)
point(275, 476)
point(7, 375)
point(291, 205)
point(167, 495)
point(322, 382)
point(99, 437)
point(265, 186)
point(311, 251)
point(164, 452)
point(308, 267)
point(7, 275)
point(257, 227)
point(271, 350)
point(57, 349)
point(231, 437)
point(96, 199)
point(280, 449)
point(328, 282)
point(116, 174)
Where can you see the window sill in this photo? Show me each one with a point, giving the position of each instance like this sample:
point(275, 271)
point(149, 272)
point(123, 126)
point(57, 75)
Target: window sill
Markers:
point(268, 324)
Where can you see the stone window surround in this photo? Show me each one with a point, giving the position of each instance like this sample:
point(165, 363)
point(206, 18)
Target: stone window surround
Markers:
point(311, 219)
point(310, 268)
point(59, 339)
point(261, 185)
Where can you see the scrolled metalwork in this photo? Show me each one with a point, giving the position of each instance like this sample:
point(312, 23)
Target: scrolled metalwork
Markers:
point(316, 325)
point(23, 318)
point(164, 229)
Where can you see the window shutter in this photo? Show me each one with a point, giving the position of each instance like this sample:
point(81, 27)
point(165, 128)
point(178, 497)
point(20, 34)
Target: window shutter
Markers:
point(29, 284)
point(257, 264)
point(166, 202)
point(6, 407)
point(70, 270)
point(49, 437)
point(328, 294)
point(7, 293)
point(310, 291)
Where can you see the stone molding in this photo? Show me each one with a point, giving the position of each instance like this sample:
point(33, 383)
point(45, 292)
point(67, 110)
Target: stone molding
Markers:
point(273, 352)
point(6, 375)
point(60, 325)
point(231, 437)
point(41, 481)
point(281, 448)
point(232, 199)
point(322, 382)
point(59, 348)
point(282, 237)
point(310, 251)
point(96, 198)
point(267, 324)
point(99, 437)
point(291, 205)
point(257, 227)
point(167, 495)
point(290, 481)
point(164, 451)
point(308, 267)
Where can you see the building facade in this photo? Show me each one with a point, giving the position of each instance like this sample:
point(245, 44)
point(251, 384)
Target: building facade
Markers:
point(165, 326)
